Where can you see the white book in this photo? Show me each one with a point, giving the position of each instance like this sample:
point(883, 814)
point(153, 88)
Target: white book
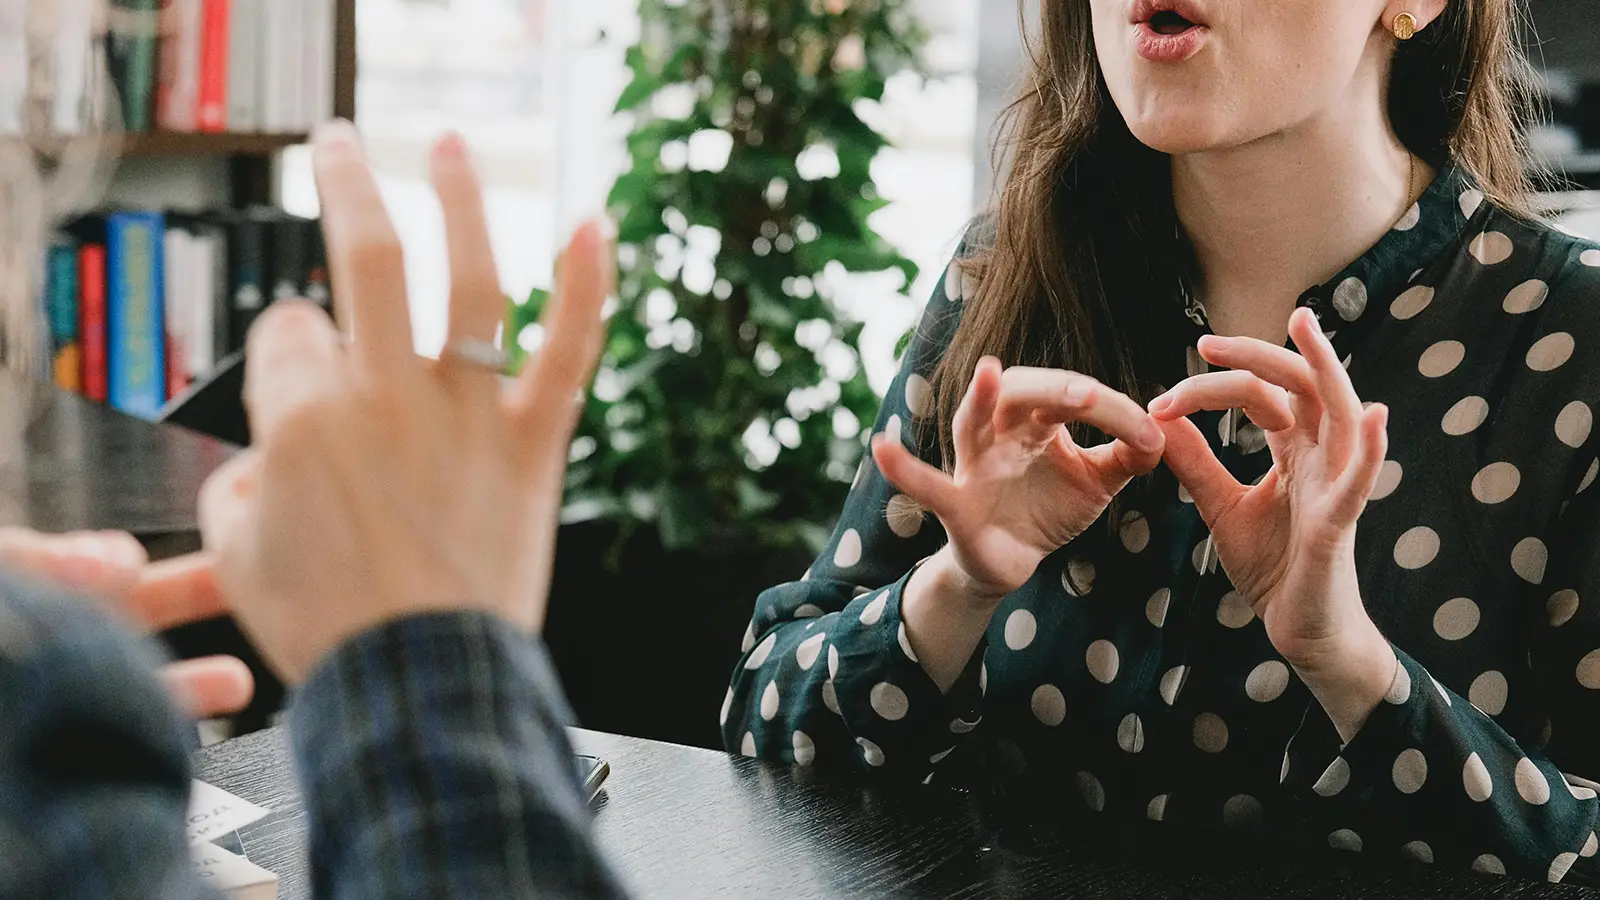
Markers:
point(291, 65)
point(13, 64)
point(74, 34)
point(176, 250)
point(201, 329)
point(244, 65)
point(275, 44)
point(319, 66)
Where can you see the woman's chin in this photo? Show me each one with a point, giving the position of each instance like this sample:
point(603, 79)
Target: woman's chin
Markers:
point(1180, 133)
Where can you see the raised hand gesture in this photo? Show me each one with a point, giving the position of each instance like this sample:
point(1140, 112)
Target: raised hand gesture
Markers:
point(1288, 543)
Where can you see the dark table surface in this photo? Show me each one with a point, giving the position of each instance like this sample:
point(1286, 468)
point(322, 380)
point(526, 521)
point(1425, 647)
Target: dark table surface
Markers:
point(686, 823)
point(78, 465)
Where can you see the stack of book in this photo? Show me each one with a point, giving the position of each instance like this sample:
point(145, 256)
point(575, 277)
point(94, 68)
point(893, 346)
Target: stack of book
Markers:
point(143, 303)
point(176, 65)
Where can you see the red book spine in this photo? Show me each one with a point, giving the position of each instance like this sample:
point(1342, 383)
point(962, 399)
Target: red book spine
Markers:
point(92, 318)
point(213, 111)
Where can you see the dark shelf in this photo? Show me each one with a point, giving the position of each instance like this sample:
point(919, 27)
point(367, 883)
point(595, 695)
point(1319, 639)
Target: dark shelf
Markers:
point(158, 143)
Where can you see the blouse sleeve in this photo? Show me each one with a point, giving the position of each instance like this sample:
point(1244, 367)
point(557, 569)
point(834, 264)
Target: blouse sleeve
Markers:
point(828, 676)
point(1431, 777)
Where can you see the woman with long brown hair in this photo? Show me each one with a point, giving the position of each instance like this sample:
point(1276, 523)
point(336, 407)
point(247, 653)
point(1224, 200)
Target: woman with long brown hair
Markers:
point(1239, 477)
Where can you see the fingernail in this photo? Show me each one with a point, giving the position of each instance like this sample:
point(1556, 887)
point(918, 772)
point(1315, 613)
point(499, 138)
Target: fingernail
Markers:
point(451, 146)
point(337, 134)
point(1160, 404)
point(1150, 437)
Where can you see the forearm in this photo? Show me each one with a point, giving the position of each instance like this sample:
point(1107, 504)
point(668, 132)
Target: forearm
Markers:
point(945, 618)
point(435, 763)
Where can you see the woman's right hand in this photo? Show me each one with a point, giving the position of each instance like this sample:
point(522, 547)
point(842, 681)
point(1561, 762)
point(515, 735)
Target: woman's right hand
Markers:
point(1022, 487)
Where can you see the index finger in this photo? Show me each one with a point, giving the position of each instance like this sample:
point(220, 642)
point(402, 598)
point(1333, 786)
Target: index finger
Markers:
point(1057, 397)
point(177, 592)
point(365, 261)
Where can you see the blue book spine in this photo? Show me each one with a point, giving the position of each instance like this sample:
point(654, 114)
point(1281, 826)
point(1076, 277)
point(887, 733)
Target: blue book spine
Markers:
point(61, 296)
point(135, 324)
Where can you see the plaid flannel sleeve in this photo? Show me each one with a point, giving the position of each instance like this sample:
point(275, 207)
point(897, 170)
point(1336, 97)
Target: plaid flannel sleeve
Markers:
point(94, 771)
point(435, 763)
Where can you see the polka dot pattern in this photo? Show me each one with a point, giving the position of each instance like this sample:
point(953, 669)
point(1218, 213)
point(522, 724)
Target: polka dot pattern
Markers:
point(1410, 771)
point(872, 613)
point(1532, 786)
point(1441, 359)
point(1489, 864)
point(1346, 840)
point(1102, 661)
point(919, 396)
point(1334, 779)
point(1456, 619)
point(1574, 424)
point(1020, 629)
point(1049, 705)
point(1551, 352)
point(1528, 560)
point(1475, 778)
point(848, 554)
point(1418, 851)
point(1130, 734)
point(1561, 607)
point(1092, 791)
point(1388, 480)
point(1526, 297)
point(1350, 299)
point(1267, 681)
point(1077, 579)
point(904, 516)
point(1412, 303)
point(1235, 611)
point(1242, 811)
point(1485, 505)
point(1156, 809)
point(1496, 483)
point(1416, 548)
point(1466, 416)
point(1155, 609)
point(1488, 693)
point(805, 750)
point(1491, 248)
point(1210, 733)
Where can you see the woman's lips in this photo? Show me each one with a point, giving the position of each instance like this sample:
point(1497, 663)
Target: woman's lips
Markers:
point(1168, 48)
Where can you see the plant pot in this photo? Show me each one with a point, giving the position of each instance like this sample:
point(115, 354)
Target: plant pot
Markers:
point(647, 648)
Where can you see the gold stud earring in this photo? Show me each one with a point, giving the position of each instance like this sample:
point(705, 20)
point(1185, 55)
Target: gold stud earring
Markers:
point(1405, 26)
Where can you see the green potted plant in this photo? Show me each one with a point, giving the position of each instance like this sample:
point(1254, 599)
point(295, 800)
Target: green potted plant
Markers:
point(731, 409)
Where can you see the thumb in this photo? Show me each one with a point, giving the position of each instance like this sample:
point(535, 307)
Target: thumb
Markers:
point(1190, 458)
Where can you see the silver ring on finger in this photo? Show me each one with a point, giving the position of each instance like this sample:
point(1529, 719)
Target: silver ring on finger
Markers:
point(476, 353)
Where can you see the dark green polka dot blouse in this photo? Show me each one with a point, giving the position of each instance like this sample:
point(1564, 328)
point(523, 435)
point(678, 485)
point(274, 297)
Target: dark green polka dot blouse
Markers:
point(1128, 686)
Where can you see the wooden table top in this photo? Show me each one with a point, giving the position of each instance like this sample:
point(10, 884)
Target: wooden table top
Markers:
point(85, 466)
point(686, 823)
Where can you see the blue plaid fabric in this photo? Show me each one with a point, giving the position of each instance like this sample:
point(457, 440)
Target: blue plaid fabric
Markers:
point(431, 751)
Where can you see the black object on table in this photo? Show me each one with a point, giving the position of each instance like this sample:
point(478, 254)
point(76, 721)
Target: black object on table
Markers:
point(693, 824)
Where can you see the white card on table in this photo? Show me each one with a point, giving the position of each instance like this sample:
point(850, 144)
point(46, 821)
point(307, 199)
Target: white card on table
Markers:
point(232, 875)
point(213, 812)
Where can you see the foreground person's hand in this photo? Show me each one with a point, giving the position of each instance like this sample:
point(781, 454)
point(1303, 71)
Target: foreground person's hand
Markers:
point(382, 485)
point(112, 567)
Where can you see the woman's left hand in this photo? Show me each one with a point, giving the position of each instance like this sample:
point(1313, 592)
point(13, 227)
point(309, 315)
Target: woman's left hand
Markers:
point(1288, 543)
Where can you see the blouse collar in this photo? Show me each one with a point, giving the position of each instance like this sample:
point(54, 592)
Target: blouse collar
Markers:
point(1434, 224)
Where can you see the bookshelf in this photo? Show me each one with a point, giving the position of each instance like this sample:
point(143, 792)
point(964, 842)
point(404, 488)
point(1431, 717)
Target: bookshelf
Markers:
point(250, 157)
